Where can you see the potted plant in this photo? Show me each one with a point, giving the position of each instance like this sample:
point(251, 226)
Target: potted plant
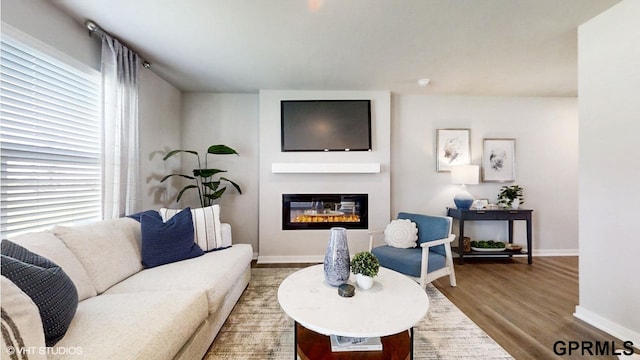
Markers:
point(510, 196)
point(203, 177)
point(365, 265)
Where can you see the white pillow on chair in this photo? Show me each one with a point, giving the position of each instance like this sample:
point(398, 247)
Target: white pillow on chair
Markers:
point(401, 233)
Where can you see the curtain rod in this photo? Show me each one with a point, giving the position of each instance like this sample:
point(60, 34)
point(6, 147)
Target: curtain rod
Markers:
point(95, 29)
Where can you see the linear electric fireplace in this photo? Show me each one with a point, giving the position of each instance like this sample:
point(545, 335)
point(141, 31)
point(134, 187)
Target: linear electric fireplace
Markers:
point(324, 211)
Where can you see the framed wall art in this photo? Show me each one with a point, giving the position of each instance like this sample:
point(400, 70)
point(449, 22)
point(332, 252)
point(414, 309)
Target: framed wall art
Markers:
point(499, 160)
point(453, 147)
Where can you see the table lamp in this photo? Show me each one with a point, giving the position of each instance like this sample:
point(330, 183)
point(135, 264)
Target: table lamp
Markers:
point(464, 175)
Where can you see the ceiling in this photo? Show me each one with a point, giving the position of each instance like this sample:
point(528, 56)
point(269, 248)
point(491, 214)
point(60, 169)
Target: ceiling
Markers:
point(465, 47)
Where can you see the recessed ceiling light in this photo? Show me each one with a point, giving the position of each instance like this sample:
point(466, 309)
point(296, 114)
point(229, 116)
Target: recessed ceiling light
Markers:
point(424, 82)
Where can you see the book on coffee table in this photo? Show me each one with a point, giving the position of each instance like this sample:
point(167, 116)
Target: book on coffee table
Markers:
point(346, 343)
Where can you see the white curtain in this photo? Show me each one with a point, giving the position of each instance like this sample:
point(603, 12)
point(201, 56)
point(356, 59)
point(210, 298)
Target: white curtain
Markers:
point(120, 179)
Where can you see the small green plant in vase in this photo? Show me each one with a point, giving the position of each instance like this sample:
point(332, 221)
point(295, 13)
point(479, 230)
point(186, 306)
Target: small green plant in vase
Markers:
point(511, 196)
point(365, 265)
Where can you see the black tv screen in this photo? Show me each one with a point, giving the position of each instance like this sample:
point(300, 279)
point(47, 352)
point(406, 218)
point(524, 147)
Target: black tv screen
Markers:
point(325, 125)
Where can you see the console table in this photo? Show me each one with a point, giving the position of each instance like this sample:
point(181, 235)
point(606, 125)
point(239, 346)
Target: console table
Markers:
point(487, 215)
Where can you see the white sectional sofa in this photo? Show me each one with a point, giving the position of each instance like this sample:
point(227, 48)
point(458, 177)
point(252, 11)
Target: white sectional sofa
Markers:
point(172, 311)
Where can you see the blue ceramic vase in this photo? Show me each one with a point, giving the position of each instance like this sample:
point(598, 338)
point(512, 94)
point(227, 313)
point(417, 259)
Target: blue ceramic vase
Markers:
point(336, 259)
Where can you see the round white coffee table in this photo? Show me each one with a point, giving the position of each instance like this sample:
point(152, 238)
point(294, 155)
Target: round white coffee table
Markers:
point(392, 306)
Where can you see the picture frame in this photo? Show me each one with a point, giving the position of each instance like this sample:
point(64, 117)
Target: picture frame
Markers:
point(453, 148)
point(499, 160)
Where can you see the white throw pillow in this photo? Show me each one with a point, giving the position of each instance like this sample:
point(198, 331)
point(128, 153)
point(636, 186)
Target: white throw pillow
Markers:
point(21, 323)
point(401, 233)
point(207, 230)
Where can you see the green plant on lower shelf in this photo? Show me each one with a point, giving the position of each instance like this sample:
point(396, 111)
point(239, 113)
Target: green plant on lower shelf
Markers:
point(490, 244)
point(365, 263)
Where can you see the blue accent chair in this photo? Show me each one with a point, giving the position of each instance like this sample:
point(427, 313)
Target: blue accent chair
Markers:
point(430, 259)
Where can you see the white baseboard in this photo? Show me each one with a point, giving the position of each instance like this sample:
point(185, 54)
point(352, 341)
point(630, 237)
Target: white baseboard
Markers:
point(305, 259)
point(555, 252)
point(540, 253)
point(608, 326)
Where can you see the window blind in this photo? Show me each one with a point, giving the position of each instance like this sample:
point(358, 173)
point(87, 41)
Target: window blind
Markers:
point(50, 141)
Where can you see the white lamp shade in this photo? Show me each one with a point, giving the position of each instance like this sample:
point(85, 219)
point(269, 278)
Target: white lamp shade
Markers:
point(465, 174)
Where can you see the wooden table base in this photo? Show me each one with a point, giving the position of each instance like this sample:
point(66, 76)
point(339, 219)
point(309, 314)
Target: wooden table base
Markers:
point(312, 346)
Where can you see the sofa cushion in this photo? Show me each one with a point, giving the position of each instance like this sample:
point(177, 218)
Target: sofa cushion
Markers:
point(206, 227)
point(46, 284)
point(46, 244)
point(106, 249)
point(142, 325)
point(167, 242)
point(21, 323)
point(214, 272)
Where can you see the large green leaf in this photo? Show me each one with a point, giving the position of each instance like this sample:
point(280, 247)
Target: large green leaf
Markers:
point(173, 152)
point(221, 150)
point(213, 185)
point(184, 176)
point(232, 183)
point(205, 173)
point(185, 189)
point(216, 194)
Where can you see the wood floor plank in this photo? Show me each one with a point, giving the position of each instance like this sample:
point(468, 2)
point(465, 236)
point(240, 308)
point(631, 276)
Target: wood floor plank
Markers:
point(524, 308)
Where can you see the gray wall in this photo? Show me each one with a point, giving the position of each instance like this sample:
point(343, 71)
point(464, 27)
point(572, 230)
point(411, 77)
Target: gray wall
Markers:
point(232, 120)
point(546, 134)
point(545, 130)
point(609, 71)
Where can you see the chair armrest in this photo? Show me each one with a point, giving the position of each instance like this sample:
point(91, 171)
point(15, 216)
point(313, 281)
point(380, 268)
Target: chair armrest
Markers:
point(372, 233)
point(428, 244)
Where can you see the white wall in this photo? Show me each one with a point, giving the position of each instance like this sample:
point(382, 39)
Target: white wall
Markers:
point(545, 129)
point(277, 245)
point(43, 21)
point(159, 106)
point(546, 133)
point(159, 114)
point(232, 120)
point(609, 73)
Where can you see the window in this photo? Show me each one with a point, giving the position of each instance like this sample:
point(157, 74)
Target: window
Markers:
point(50, 140)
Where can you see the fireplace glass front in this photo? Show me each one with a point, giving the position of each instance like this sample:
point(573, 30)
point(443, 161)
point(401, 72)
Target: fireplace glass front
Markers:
point(324, 211)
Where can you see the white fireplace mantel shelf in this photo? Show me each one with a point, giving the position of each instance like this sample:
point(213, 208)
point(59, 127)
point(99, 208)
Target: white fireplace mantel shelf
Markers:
point(325, 168)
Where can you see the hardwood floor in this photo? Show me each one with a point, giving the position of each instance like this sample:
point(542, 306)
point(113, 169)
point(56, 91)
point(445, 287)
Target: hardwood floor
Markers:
point(526, 308)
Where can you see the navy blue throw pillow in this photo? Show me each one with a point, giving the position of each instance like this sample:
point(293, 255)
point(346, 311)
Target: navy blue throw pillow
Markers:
point(168, 242)
point(46, 284)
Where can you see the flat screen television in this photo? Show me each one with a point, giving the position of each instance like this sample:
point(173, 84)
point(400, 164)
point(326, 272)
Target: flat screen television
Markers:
point(325, 125)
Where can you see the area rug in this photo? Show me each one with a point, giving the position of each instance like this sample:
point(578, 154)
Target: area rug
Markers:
point(258, 329)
